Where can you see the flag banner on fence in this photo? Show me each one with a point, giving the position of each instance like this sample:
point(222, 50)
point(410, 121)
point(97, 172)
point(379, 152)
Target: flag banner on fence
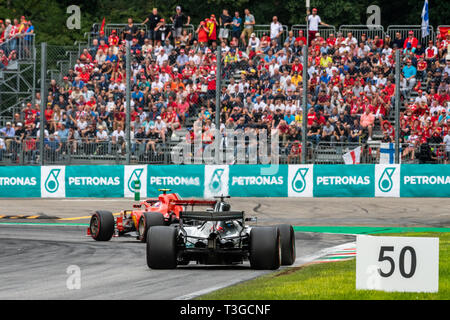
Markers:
point(425, 20)
point(353, 156)
point(387, 153)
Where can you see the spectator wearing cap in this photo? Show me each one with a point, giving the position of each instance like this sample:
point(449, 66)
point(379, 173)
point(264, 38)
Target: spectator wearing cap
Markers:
point(179, 19)
point(313, 24)
point(409, 72)
point(202, 33)
point(113, 39)
point(8, 133)
point(410, 43)
point(253, 44)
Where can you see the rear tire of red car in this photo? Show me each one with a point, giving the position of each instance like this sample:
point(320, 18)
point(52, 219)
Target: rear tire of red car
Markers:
point(287, 240)
point(162, 247)
point(147, 220)
point(101, 225)
point(265, 251)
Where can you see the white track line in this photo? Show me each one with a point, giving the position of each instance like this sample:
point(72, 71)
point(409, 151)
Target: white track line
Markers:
point(298, 262)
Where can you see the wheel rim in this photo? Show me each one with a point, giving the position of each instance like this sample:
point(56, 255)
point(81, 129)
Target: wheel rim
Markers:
point(94, 225)
point(141, 227)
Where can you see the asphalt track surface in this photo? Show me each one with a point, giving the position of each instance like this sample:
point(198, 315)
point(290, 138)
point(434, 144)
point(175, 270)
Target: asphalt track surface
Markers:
point(35, 259)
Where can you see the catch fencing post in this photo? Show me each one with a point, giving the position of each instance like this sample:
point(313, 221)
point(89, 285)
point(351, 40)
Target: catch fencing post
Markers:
point(305, 89)
point(397, 104)
point(43, 102)
point(128, 103)
point(218, 90)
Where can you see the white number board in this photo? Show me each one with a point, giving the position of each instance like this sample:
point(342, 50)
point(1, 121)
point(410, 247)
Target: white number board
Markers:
point(405, 264)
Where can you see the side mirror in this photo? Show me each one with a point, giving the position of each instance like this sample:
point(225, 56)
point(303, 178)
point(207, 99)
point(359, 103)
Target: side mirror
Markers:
point(252, 219)
point(137, 206)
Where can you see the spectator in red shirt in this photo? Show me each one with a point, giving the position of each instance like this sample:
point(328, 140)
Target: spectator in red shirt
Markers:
point(410, 43)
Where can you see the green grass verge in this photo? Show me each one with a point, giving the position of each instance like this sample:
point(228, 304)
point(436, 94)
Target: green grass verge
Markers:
point(331, 281)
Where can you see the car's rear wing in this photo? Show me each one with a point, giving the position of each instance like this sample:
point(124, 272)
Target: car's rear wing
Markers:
point(206, 203)
point(212, 216)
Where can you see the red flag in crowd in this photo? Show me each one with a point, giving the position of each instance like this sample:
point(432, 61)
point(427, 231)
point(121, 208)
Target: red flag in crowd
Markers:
point(102, 28)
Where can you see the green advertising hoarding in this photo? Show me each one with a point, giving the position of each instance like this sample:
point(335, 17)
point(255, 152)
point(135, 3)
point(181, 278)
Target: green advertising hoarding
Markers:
point(20, 182)
point(344, 181)
point(425, 180)
point(95, 181)
point(117, 181)
point(258, 180)
point(186, 180)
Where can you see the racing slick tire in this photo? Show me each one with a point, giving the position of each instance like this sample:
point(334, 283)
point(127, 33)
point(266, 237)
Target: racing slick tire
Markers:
point(265, 248)
point(147, 220)
point(162, 247)
point(287, 241)
point(101, 225)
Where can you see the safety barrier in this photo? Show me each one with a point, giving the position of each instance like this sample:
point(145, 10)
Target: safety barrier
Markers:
point(235, 180)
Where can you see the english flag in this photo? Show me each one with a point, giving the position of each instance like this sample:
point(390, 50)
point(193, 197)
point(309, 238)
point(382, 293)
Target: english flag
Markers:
point(353, 157)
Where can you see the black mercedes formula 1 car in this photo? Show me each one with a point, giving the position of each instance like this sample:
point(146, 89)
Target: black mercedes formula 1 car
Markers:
point(220, 236)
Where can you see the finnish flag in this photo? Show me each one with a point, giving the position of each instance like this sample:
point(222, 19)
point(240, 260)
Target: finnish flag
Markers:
point(425, 20)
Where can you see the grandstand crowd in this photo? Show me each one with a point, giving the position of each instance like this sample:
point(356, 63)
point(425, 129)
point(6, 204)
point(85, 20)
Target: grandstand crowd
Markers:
point(14, 35)
point(350, 95)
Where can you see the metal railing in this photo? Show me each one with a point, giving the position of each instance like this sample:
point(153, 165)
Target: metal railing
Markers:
point(324, 31)
point(22, 44)
point(417, 29)
point(358, 30)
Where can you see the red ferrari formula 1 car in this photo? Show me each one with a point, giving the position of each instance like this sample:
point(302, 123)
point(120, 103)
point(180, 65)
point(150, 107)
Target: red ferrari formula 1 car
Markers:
point(163, 211)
